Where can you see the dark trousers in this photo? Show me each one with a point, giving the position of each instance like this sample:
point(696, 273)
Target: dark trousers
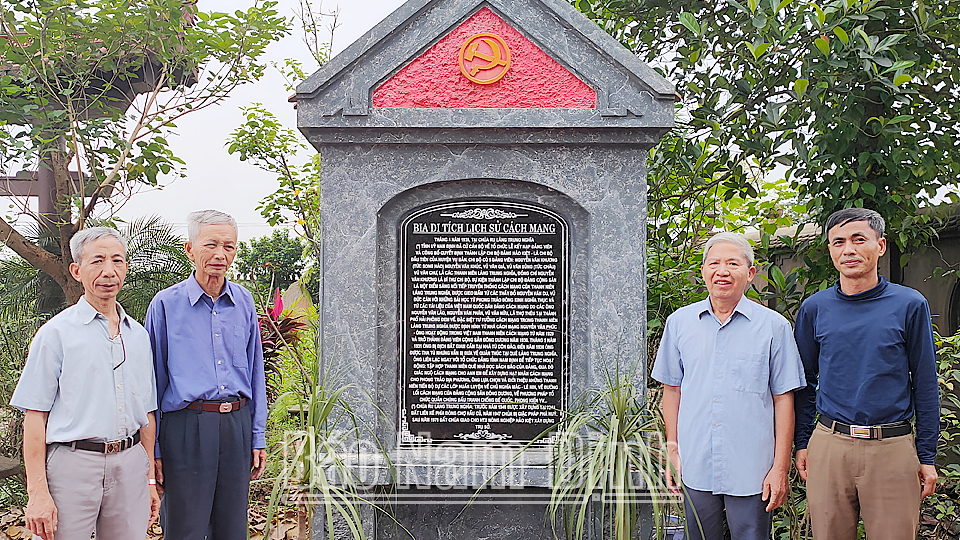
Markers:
point(206, 474)
point(746, 516)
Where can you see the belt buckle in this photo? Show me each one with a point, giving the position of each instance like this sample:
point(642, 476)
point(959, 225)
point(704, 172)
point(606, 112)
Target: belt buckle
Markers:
point(860, 432)
point(226, 407)
point(113, 447)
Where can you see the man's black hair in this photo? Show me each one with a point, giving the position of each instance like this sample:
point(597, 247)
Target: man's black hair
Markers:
point(849, 215)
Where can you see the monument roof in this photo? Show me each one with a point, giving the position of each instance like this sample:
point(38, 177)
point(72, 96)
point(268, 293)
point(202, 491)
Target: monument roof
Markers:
point(399, 75)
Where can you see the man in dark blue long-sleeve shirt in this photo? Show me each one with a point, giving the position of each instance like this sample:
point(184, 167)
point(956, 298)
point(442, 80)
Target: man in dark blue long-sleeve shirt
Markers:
point(210, 387)
point(870, 343)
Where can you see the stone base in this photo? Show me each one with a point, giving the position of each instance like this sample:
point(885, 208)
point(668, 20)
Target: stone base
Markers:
point(459, 514)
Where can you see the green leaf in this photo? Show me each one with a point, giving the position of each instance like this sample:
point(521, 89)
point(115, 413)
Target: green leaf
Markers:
point(901, 118)
point(800, 86)
point(842, 34)
point(901, 79)
point(740, 6)
point(823, 45)
point(760, 49)
point(900, 64)
point(820, 15)
point(783, 4)
point(688, 20)
point(777, 275)
point(888, 42)
point(869, 188)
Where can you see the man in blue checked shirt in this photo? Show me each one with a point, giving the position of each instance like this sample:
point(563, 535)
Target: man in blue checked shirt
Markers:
point(211, 389)
point(729, 368)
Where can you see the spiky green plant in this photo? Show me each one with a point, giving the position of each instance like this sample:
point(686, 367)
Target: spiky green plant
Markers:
point(608, 460)
point(26, 292)
point(312, 455)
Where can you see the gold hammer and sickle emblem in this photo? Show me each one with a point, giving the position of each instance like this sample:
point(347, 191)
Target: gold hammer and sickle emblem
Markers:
point(499, 56)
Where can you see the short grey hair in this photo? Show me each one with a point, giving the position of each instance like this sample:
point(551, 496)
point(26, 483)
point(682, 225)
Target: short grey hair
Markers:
point(730, 238)
point(198, 219)
point(849, 215)
point(84, 237)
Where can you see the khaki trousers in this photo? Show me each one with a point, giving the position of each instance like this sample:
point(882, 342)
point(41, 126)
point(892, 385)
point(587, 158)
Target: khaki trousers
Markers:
point(876, 479)
point(108, 492)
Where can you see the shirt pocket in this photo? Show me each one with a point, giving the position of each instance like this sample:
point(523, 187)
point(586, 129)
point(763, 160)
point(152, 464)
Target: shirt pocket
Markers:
point(751, 373)
point(241, 336)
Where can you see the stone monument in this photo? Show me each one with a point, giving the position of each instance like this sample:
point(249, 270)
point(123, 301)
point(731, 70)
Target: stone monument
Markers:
point(484, 216)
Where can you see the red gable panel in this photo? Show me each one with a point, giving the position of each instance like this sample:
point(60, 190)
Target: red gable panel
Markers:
point(500, 69)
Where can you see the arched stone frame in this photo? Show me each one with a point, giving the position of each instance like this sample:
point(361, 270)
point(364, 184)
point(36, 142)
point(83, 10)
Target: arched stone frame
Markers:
point(388, 269)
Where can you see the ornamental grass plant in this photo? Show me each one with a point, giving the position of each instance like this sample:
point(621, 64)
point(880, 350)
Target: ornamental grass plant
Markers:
point(608, 464)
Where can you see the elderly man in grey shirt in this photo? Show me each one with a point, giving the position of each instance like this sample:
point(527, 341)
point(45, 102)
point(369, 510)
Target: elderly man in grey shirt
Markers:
point(88, 392)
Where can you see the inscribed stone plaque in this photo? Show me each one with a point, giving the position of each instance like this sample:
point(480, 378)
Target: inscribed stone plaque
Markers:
point(484, 317)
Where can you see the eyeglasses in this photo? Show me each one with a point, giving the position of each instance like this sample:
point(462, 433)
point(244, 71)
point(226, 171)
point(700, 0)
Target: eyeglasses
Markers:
point(122, 347)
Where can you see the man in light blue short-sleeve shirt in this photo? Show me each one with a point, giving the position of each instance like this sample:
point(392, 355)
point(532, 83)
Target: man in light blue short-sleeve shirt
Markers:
point(89, 394)
point(729, 367)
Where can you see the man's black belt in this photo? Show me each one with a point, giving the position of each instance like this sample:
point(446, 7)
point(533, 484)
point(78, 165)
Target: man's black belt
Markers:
point(884, 431)
point(111, 447)
point(215, 406)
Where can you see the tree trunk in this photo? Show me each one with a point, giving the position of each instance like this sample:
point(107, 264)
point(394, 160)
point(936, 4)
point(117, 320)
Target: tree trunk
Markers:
point(62, 230)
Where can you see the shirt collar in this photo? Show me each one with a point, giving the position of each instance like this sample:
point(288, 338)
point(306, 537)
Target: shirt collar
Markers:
point(89, 313)
point(195, 291)
point(745, 307)
point(873, 292)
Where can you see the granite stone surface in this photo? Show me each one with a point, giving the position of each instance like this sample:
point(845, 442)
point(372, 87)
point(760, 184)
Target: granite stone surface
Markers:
point(587, 165)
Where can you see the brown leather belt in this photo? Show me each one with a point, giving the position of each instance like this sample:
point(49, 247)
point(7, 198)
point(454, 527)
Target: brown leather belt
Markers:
point(880, 432)
point(215, 406)
point(111, 447)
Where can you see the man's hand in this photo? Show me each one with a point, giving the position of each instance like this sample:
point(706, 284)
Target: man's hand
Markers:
point(42, 514)
point(802, 464)
point(928, 480)
point(775, 488)
point(154, 505)
point(673, 468)
point(259, 463)
point(158, 468)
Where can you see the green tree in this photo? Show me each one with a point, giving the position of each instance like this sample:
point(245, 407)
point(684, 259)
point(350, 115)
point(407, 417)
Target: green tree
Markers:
point(857, 101)
point(271, 262)
point(97, 85)
point(266, 143)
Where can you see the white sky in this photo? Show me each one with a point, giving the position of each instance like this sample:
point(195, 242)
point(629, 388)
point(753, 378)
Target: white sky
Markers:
point(215, 179)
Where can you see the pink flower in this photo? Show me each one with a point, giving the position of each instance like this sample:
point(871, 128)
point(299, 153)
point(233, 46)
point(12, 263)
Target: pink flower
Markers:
point(277, 305)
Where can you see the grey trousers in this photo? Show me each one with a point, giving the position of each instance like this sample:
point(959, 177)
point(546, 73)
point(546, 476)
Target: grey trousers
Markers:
point(106, 492)
point(746, 516)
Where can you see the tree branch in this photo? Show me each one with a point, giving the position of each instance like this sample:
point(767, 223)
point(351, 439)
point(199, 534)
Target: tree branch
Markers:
point(112, 175)
point(38, 257)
